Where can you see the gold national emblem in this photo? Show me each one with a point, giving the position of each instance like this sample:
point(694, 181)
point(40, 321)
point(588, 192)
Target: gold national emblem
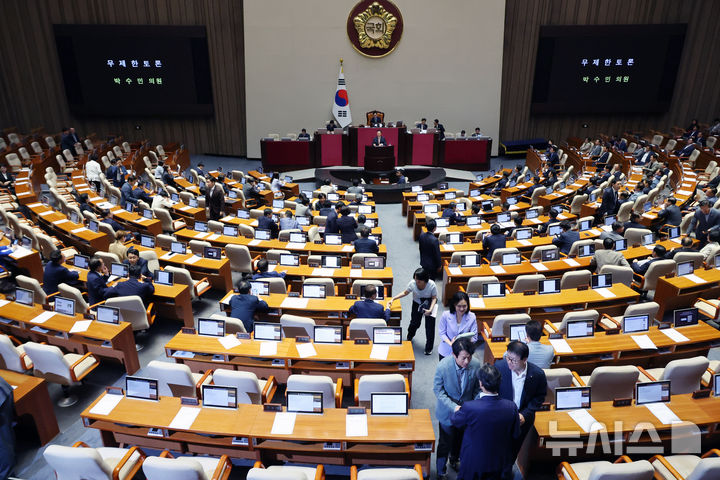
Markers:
point(375, 26)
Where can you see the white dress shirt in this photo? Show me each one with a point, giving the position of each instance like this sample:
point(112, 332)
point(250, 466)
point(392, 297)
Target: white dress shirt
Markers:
point(518, 382)
point(93, 171)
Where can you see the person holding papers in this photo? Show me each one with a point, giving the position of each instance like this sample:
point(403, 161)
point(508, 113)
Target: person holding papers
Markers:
point(607, 256)
point(244, 305)
point(424, 294)
point(641, 267)
point(455, 383)
point(133, 286)
point(455, 323)
point(56, 273)
point(369, 308)
point(262, 271)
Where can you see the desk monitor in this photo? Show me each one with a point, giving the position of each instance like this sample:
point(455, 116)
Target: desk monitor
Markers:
point(652, 392)
point(178, 247)
point(108, 314)
point(230, 230)
point(554, 229)
point(472, 220)
point(685, 268)
point(518, 332)
point(328, 334)
point(621, 245)
point(289, 259)
point(259, 288)
point(585, 225)
point(441, 222)
point(297, 237)
point(214, 253)
point(142, 388)
point(163, 277)
point(365, 209)
point(549, 286)
point(374, 263)
point(460, 207)
point(635, 323)
point(278, 203)
point(333, 239)
point(493, 289)
point(147, 241)
point(454, 238)
point(572, 398)
point(523, 234)
point(175, 197)
point(74, 217)
point(267, 331)
point(387, 335)
point(504, 217)
point(25, 297)
point(115, 201)
point(211, 327)
point(580, 328)
point(511, 258)
point(511, 200)
point(487, 205)
point(416, 188)
point(242, 213)
point(129, 206)
point(673, 232)
point(685, 317)
point(331, 261)
point(648, 239)
point(93, 226)
point(549, 254)
point(586, 250)
point(548, 190)
point(647, 206)
point(431, 208)
point(288, 179)
point(193, 202)
point(261, 234)
point(380, 289)
point(471, 260)
point(66, 306)
point(200, 226)
point(81, 261)
point(308, 193)
point(512, 184)
point(450, 195)
point(479, 177)
point(423, 197)
point(26, 241)
point(304, 402)
point(716, 384)
point(609, 220)
point(592, 198)
point(532, 213)
point(603, 280)
point(232, 194)
point(389, 403)
point(120, 270)
point(303, 221)
point(218, 396)
point(333, 197)
point(311, 290)
point(147, 213)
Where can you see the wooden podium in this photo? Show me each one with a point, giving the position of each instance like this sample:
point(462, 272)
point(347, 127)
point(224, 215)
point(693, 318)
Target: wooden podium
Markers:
point(379, 159)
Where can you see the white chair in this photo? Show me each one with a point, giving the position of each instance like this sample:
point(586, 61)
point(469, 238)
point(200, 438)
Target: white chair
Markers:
point(538, 251)
point(501, 323)
point(198, 288)
point(363, 327)
point(165, 467)
point(29, 283)
point(81, 306)
point(152, 260)
point(250, 389)
point(619, 274)
point(610, 382)
point(557, 378)
point(574, 279)
point(80, 462)
point(168, 224)
point(273, 255)
point(332, 392)
point(65, 369)
point(635, 236)
point(603, 470)
point(524, 283)
point(696, 257)
point(684, 374)
point(645, 308)
point(295, 325)
point(133, 311)
point(392, 473)
point(358, 284)
point(499, 252)
point(198, 247)
point(687, 467)
point(359, 258)
point(328, 283)
point(553, 327)
point(239, 258)
point(475, 284)
point(13, 356)
point(657, 269)
point(176, 379)
point(366, 385)
point(285, 472)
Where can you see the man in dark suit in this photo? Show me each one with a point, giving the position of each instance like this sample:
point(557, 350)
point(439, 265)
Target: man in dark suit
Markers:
point(567, 237)
point(97, 281)
point(244, 305)
point(609, 199)
point(495, 240)
point(644, 156)
point(375, 120)
point(133, 286)
point(671, 214)
point(127, 191)
point(634, 222)
point(705, 219)
point(687, 149)
point(67, 142)
point(524, 384)
point(453, 216)
point(55, 273)
point(303, 135)
point(455, 383)
point(214, 198)
point(492, 427)
point(346, 225)
point(423, 126)
point(369, 308)
point(364, 244)
point(7, 433)
point(134, 258)
point(266, 222)
point(686, 245)
point(641, 267)
point(114, 174)
point(439, 127)
point(140, 194)
point(552, 218)
point(379, 140)
point(596, 150)
point(331, 126)
point(332, 217)
point(262, 267)
point(6, 178)
point(107, 217)
point(603, 158)
point(430, 249)
point(553, 158)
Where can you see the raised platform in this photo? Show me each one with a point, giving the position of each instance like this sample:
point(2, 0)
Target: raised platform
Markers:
point(427, 177)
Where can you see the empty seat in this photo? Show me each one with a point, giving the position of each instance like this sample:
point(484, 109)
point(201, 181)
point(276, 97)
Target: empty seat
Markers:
point(557, 378)
point(501, 323)
point(610, 382)
point(684, 374)
point(497, 255)
point(366, 385)
point(688, 467)
point(165, 467)
point(133, 311)
point(363, 327)
point(285, 472)
point(619, 274)
point(176, 379)
point(475, 284)
point(603, 470)
point(524, 283)
point(13, 356)
point(575, 279)
point(294, 325)
point(250, 389)
point(328, 283)
point(552, 327)
point(80, 462)
point(197, 287)
point(332, 392)
point(239, 258)
point(387, 473)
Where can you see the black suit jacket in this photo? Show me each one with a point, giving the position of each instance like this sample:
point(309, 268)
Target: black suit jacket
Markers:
point(96, 287)
point(266, 223)
point(365, 245)
point(533, 394)
point(609, 202)
point(492, 242)
point(565, 240)
point(671, 215)
point(375, 120)
point(215, 200)
point(145, 271)
point(132, 286)
point(379, 141)
point(429, 252)
point(346, 226)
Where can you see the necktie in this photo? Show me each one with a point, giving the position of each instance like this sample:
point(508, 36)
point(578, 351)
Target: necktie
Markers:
point(461, 378)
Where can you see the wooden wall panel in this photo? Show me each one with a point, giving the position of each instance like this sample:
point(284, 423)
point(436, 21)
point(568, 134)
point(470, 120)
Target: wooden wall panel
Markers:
point(31, 86)
point(696, 92)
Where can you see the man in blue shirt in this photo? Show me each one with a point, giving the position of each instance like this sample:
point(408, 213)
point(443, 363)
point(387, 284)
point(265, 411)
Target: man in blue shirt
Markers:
point(540, 354)
point(369, 308)
point(364, 244)
point(55, 273)
point(244, 305)
point(262, 271)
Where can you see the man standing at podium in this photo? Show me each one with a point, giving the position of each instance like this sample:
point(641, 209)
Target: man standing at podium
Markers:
point(379, 140)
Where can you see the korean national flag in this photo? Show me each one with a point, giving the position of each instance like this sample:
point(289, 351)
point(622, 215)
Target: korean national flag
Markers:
point(341, 104)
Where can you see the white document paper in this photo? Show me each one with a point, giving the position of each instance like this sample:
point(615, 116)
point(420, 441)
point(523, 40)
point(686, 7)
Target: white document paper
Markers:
point(184, 418)
point(379, 352)
point(448, 247)
point(585, 420)
point(535, 221)
point(605, 292)
point(356, 426)
point(540, 267)
point(497, 269)
point(268, 349)
point(78, 230)
point(566, 191)
point(477, 302)
point(644, 342)
point(649, 215)
point(694, 278)
point(295, 245)
point(560, 345)
point(80, 326)
point(294, 302)
point(229, 341)
point(193, 259)
point(3, 303)
point(46, 213)
point(61, 221)
point(43, 317)
point(356, 272)
point(305, 350)
point(674, 335)
point(323, 272)
point(455, 271)
point(348, 248)
point(167, 256)
point(526, 243)
point(201, 235)
point(571, 262)
point(284, 423)
point(226, 218)
point(214, 236)
point(35, 205)
point(106, 404)
point(254, 242)
point(684, 192)
point(21, 252)
point(663, 413)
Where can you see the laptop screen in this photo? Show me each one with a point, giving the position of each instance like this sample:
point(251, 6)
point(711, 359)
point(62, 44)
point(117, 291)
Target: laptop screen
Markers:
point(81, 261)
point(487, 205)
point(586, 250)
point(511, 259)
point(267, 331)
point(313, 291)
point(297, 237)
point(304, 402)
point(518, 332)
point(331, 261)
point(278, 203)
point(289, 260)
point(511, 200)
point(120, 270)
point(200, 227)
point(212, 252)
point(219, 396)
point(471, 260)
point(244, 214)
point(374, 263)
point(328, 334)
point(147, 213)
point(621, 245)
point(387, 335)
point(93, 226)
point(389, 403)
point(178, 247)
point(454, 238)
point(685, 268)
point(523, 234)
point(603, 280)
point(211, 327)
point(230, 230)
point(532, 213)
point(504, 217)
point(147, 241)
point(554, 229)
point(549, 254)
point(673, 232)
point(609, 220)
point(685, 317)
point(108, 314)
point(416, 188)
point(652, 392)
point(259, 288)
point(163, 277)
point(441, 222)
point(333, 239)
point(648, 239)
point(716, 384)
point(365, 209)
point(144, 388)
point(635, 323)
point(493, 290)
point(549, 286)
point(580, 328)
point(24, 296)
point(585, 225)
point(431, 208)
point(261, 234)
point(571, 398)
point(423, 197)
point(66, 306)
point(380, 289)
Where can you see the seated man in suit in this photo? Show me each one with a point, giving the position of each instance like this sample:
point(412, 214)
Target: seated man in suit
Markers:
point(364, 244)
point(6, 178)
point(127, 191)
point(477, 132)
point(107, 217)
point(423, 126)
point(603, 158)
point(331, 126)
point(375, 120)
point(711, 248)
point(686, 245)
point(56, 273)
point(369, 308)
point(288, 222)
point(262, 267)
point(671, 214)
point(643, 156)
point(266, 222)
point(346, 225)
point(379, 140)
point(133, 286)
point(67, 141)
point(596, 150)
point(641, 266)
point(303, 135)
point(244, 305)
point(201, 170)
point(133, 258)
point(705, 219)
point(502, 183)
point(451, 213)
point(454, 384)
point(567, 237)
point(97, 281)
point(686, 150)
point(607, 256)
point(495, 240)
point(402, 179)
point(615, 234)
point(540, 354)
point(355, 188)
point(552, 218)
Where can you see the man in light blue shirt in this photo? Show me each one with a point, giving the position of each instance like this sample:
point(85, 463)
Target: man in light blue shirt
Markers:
point(540, 354)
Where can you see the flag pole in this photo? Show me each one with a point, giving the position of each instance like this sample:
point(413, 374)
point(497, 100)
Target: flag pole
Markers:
point(341, 65)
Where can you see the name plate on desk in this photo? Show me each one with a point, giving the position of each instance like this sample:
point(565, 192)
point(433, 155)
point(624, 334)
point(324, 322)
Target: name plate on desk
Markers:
point(622, 402)
point(498, 339)
point(240, 441)
point(555, 336)
point(188, 330)
point(704, 393)
point(356, 411)
point(302, 339)
point(612, 331)
point(405, 366)
point(334, 446)
point(272, 407)
point(243, 336)
point(362, 341)
point(350, 297)
point(189, 401)
point(423, 447)
point(342, 365)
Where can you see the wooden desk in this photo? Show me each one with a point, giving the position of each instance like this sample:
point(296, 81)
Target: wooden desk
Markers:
point(32, 400)
point(680, 292)
point(16, 319)
point(412, 196)
point(343, 277)
point(28, 259)
point(287, 361)
point(392, 440)
point(76, 234)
